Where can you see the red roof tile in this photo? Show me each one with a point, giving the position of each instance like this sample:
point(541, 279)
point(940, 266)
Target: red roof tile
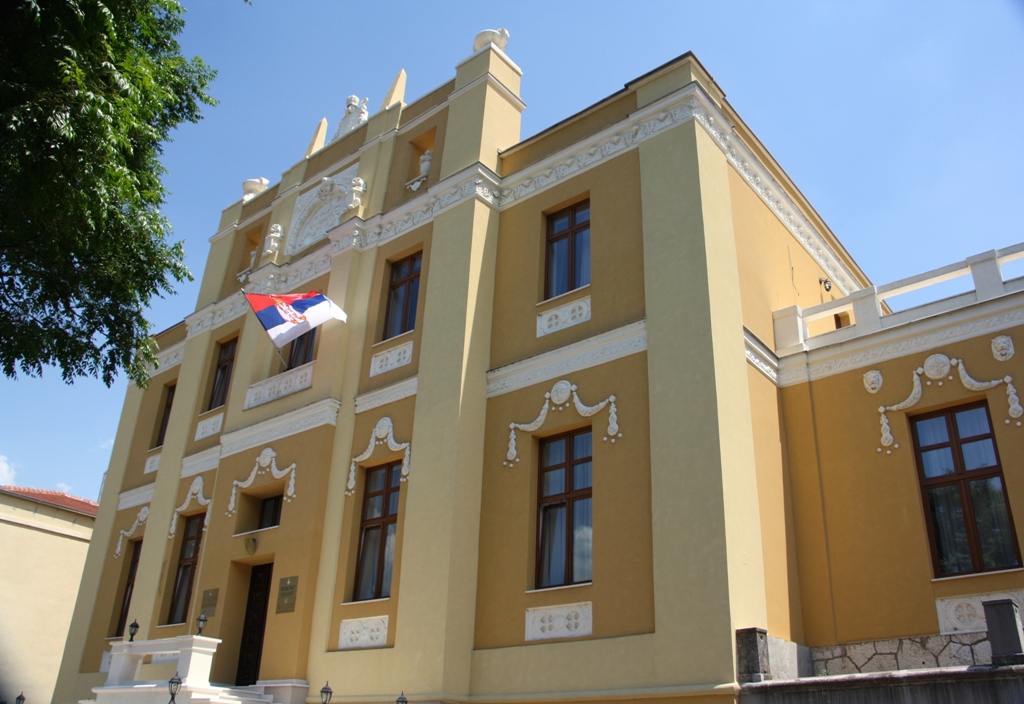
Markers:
point(55, 498)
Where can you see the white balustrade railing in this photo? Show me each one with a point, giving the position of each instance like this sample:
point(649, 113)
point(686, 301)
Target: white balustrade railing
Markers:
point(195, 658)
point(791, 324)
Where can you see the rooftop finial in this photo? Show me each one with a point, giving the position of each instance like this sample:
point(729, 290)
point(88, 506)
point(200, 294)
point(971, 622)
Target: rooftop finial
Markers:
point(497, 37)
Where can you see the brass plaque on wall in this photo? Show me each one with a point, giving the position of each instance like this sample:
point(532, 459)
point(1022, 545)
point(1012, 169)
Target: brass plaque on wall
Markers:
point(209, 606)
point(286, 594)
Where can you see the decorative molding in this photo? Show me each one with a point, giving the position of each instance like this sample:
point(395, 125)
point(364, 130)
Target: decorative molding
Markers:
point(689, 103)
point(265, 462)
point(358, 633)
point(391, 359)
point(564, 316)
point(563, 621)
point(591, 352)
point(301, 419)
point(901, 341)
point(760, 356)
point(559, 397)
point(209, 426)
point(321, 208)
point(200, 462)
point(135, 497)
point(152, 464)
point(355, 116)
point(386, 395)
point(872, 381)
point(139, 520)
point(284, 384)
point(165, 359)
point(937, 368)
point(1002, 347)
point(965, 614)
point(383, 433)
point(216, 314)
point(194, 492)
point(425, 160)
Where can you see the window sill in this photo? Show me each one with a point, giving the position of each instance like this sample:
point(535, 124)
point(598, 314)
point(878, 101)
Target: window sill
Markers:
point(211, 410)
point(258, 530)
point(977, 574)
point(555, 589)
point(173, 625)
point(392, 339)
point(561, 296)
point(366, 601)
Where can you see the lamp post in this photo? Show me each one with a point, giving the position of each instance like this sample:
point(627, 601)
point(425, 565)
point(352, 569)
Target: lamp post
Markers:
point(201, 622)
point(132, 630)
point(173, 685)
point(325, 694)
point(401, 698)
point(20, 699)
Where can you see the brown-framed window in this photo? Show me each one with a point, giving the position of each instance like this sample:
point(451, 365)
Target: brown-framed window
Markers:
point(165, 416)
point(378, 532)
point(969, 521)
point(403, 293)
point(568, 250)
point(222, 374)
point(188, 561)
point(129, 587)
point(302, 349)
point(270, 512)
point(565, 510)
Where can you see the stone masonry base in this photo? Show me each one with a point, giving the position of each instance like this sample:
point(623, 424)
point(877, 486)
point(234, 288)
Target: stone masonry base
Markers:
point(924, 652)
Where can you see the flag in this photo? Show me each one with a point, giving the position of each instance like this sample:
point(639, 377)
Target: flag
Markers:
point(286, 317)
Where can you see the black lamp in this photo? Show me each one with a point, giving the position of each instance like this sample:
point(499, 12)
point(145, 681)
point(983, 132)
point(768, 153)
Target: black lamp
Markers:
point(325, 694)
point(133, 628)
point(201, 622)
point(173, 685)
point(20, 699)
point(401, 699)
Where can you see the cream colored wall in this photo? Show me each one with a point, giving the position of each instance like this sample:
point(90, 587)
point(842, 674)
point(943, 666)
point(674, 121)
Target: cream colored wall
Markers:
point(861, 531)
point(42, 549)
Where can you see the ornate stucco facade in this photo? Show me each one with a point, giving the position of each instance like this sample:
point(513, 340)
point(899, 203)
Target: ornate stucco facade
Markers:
point(714, 355)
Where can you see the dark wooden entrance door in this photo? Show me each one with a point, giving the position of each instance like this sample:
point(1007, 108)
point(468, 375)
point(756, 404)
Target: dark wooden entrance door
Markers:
point(255, 621)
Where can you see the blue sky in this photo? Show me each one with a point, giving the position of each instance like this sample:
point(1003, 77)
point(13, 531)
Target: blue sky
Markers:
point(900, 121)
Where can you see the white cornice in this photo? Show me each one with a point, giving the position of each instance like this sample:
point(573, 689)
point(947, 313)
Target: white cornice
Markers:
point(761, 356)
point(301, 419)
point(168, 358)
point(200, 462)
point(135, 497)
point(216, 314)
point(386, 395)
point(910, 338)
point(605, 347)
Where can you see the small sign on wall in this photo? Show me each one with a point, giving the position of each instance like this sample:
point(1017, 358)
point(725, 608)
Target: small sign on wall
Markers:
point(209, 606)
point(286, 591)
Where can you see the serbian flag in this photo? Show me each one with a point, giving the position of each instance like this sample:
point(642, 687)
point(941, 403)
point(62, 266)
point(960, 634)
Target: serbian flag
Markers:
point(286, 317)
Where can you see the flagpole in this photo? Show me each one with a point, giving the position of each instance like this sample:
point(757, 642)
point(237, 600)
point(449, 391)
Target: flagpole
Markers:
point(280, 356)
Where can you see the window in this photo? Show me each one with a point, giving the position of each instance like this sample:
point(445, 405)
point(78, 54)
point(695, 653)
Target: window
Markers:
point(969, 520)
point(568, 250)
point(302, 349)
point(403, 292)
point(222, 375)
point(564, 511)
point(377, 533)
point(187, 563)
point(129, 587)
point(270, 512)
point(165, 417)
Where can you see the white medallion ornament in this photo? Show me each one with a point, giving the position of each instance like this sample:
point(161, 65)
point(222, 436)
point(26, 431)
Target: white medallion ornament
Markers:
point(873, 381)
point(562, 621)
point(357, 633)
point(265, 462)
point(1002, 347)
point(383, 434)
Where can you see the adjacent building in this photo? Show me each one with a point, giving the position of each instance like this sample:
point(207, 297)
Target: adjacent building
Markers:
point(607, 399)
point(44, 536)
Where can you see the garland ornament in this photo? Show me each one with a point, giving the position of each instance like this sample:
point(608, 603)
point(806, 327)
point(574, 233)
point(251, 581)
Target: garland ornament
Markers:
point(196, 491)
point(937, 368)
point(266, 462)
point(559, 397)
point(383, 433)
point(139, 520)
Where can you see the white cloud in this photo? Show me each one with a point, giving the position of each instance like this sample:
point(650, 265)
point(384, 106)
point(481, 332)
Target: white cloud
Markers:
point(6, 470)
point(66, 488)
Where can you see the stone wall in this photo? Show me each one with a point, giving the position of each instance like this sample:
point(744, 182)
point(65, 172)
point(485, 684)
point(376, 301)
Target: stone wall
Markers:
point(954, 650)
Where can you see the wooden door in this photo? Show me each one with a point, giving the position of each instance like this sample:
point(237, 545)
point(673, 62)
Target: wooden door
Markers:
point(255, 621)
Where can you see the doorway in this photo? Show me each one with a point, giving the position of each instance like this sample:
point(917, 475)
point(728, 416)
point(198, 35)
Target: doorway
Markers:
point(251, 650)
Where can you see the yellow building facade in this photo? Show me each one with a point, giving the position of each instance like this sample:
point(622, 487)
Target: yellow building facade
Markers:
point(604, 398)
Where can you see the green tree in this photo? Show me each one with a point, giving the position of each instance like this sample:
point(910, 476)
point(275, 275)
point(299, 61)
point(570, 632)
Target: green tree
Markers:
point(89, 89)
